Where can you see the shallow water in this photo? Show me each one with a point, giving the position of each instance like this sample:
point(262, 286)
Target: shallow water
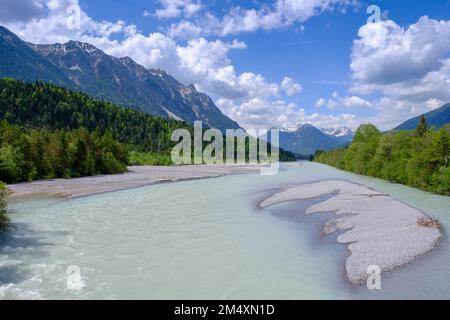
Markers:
point(203, 239)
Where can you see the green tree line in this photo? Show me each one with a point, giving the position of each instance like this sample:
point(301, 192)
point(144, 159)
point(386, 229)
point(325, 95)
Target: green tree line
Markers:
point(417, 158)
point(45, 106)
point(29, 154)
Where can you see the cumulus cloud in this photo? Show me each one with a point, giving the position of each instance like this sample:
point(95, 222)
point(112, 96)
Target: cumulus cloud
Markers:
point(355, 102)
point(176, 8)
point(185, 30)
point(349, 102)
point(433, 103)
point(321, 103)
point(260, 113)
point(278, 14)
point(256, 112)
point(386, 53)
point(409, 66)
point(291, 87)
point(64, 20)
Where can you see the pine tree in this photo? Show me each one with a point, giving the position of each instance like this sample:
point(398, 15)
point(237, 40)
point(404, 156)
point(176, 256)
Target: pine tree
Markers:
point(443, 146)
point(422, 128)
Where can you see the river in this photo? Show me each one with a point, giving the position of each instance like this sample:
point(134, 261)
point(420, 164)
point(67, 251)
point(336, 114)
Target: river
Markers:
point(202, 239)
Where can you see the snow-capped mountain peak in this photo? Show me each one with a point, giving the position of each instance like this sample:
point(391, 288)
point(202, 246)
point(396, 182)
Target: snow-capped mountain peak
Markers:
point(297, 128)
point(340, 132)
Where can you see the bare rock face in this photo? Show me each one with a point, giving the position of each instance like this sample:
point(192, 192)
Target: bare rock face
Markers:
point(379, 230)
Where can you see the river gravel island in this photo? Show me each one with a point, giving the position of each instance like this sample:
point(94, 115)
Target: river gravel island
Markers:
point(379, 230)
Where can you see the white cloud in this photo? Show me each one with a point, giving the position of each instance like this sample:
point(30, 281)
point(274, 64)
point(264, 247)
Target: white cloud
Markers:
point(348, 102)
point(387, 54)
point(185, 30)
point(176, 8)
point(294, 10)
point(261, 113)
point(434, 103)
point(53, 25)
point(409, 67)
point(255, 112)
point(321, 103)
point(355, 102)
point(280, 13)
point(291, 87)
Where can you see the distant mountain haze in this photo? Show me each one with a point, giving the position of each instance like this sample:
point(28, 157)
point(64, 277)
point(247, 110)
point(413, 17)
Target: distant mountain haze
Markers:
point(83, 67)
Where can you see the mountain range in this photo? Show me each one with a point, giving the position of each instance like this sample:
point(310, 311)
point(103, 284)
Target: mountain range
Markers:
point(344, 135)
point(81, 66)
point(307, 139)
point(436, 118)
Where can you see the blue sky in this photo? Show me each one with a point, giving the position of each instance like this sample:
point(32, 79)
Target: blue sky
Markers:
point(273, 63)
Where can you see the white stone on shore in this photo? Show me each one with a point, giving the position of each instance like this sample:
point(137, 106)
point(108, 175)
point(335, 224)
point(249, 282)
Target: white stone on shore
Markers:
point(137, 176)
point(378, 229)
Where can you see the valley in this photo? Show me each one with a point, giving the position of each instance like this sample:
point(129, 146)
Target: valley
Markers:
point(194, 150)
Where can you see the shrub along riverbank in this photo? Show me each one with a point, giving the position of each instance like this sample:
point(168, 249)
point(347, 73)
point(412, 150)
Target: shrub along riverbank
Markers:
point(417, 158)
point(3, 218)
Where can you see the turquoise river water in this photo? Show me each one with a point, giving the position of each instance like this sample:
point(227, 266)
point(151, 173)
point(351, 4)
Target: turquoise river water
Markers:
point(202, 239)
